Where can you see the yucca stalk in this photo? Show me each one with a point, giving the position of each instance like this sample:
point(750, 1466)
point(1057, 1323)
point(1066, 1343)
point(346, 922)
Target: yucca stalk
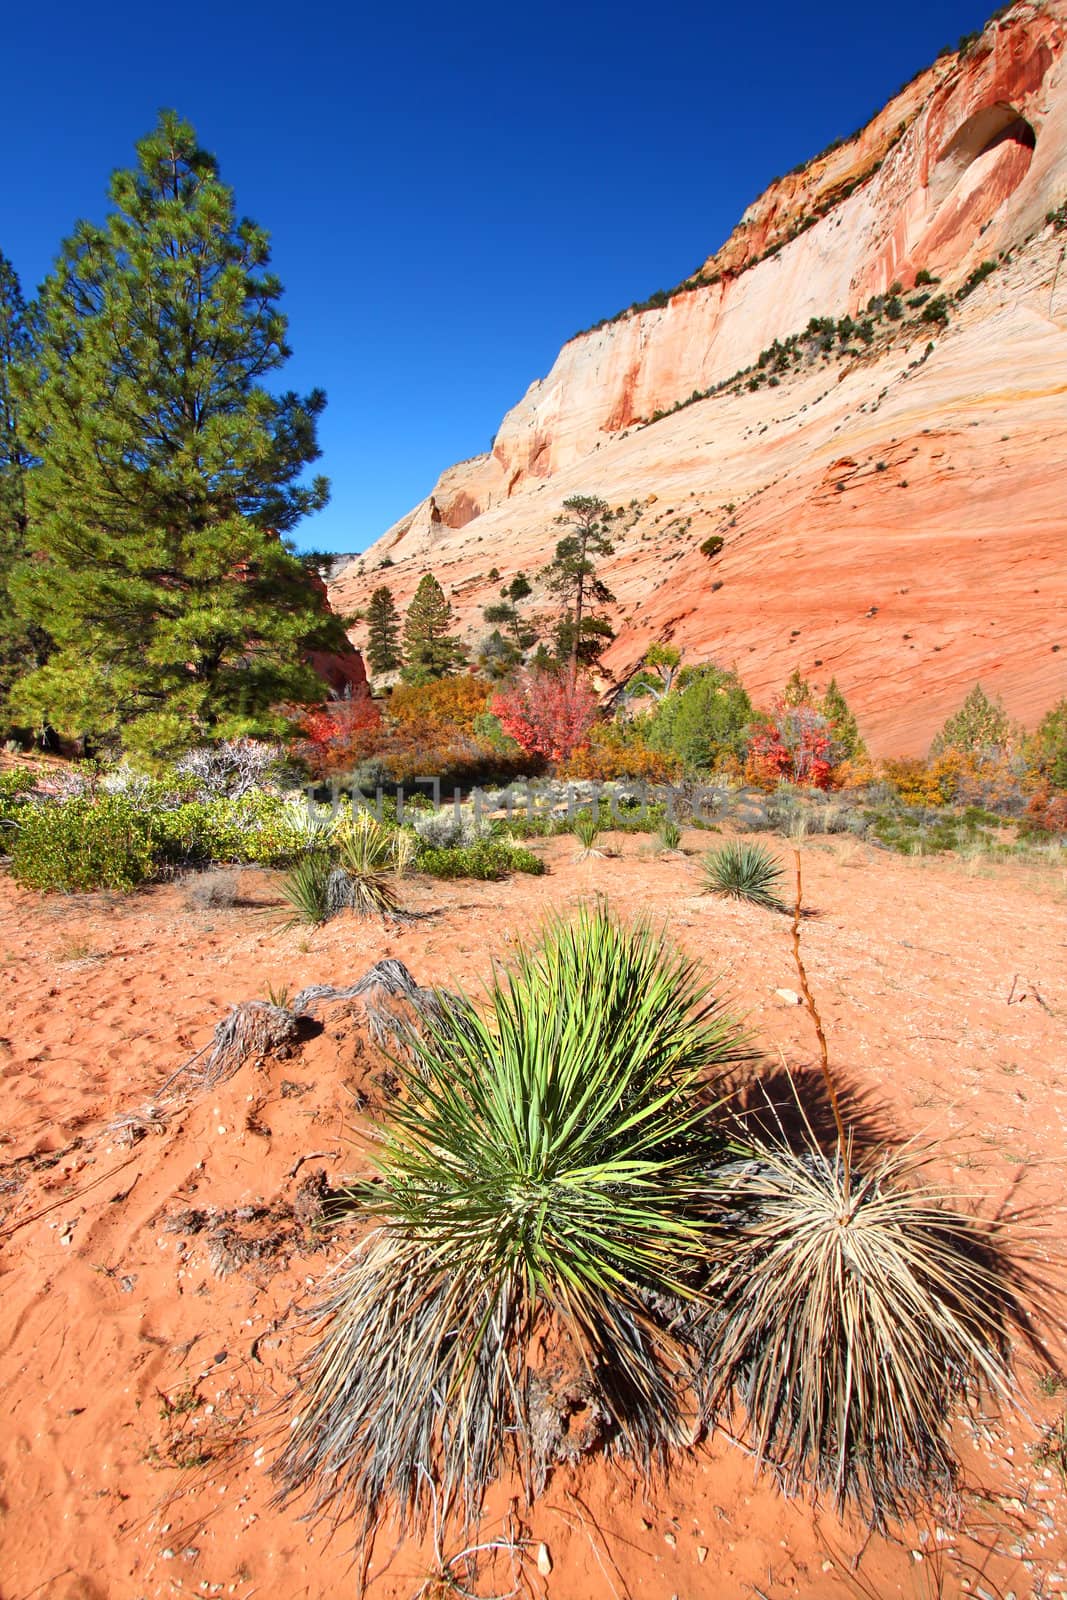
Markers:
point(851, 1315)
point(744, 871)
point(544, 1174)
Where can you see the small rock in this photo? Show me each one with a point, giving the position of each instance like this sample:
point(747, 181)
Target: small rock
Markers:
point(789, 997)
point(702, 1553)
point(669, 1538)
point(544, 1560)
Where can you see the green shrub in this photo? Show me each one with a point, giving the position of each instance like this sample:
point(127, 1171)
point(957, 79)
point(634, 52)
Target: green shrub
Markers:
point(306, 889)
point(980, 724)
point(712, 545)
point(705, 720)
point(541, 1183)
point(102, 842)
point(14, 786)
point(486, 859)
point(257, 829)
point(1048, 747)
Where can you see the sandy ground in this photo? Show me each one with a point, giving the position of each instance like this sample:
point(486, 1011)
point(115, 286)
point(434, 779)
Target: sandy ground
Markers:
point(142, 1351)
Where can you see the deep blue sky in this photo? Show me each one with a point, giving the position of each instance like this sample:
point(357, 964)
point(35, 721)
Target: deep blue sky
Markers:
point(452, 190)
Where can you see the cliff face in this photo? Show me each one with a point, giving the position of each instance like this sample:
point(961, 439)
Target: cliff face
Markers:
point(960, 168)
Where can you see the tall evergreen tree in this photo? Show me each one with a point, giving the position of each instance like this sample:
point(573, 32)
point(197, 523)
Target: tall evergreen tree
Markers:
point(383, 632)
point(169, 474)
point(23, 643)
point(581, 634)
point(843, 723)
point(430, 651)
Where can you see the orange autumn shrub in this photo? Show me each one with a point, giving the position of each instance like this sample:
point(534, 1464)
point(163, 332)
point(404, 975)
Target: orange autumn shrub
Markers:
point(926, 783)
point(611, 753)
point(445, 704)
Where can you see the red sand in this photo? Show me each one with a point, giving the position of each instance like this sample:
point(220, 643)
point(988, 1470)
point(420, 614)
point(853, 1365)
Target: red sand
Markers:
point(138, 1380)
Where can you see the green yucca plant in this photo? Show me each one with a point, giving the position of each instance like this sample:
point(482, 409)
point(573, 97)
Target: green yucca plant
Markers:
point(741, 870)
point(306, 888)
point(849, 1316)
point(670, 834)
point(586, 829)
point(544, 1175)
point(368, 854)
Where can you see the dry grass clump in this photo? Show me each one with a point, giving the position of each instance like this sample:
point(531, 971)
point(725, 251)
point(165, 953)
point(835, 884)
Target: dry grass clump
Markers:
point(211, 891)
point(849, 1318)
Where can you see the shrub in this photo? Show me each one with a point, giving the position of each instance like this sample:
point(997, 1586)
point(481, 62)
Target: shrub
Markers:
point(712, 545)
point(487, 859)
point(259, 828)
point(586, 829)
point(614, 752)
point(549, 714)
point(921, 783)
point(670, 834)
point(980, 724)
point(229, 769)
point(850, 1314)
point(794, 743)
point(540, 1187)
point(444, 829)
point(338, 735)
point(211, 891)
point(450, 704)
point(703, 721)
point(740, 871)
point(14, 787)
point(1047, 749)
point(82, 844)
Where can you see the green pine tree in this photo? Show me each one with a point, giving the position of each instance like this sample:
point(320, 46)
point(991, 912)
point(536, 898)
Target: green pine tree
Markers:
point(169, 474)
point(979, 725)
point(23, 643)
point(843, 725)
point(383, 632)
point(581, 633)
point(430, 651)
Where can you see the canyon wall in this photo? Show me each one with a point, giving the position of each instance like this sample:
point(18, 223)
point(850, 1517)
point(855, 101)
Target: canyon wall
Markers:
point(962, 167)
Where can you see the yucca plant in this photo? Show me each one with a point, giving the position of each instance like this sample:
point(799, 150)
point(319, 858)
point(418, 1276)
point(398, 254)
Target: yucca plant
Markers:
point(742, 870)
point(851, 1312)
point(670, 834)
point(367, 852)
point(542, 1186)
point(586, 829)
point(306, 888)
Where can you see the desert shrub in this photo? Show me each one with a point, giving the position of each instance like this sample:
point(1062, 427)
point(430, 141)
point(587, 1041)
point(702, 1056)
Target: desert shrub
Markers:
point(549, 714)
point(850, 1313)
point(702, 722)
point(444, 829)
point(614, 752)
point(14, 787)
point(1047, 748)
point(487, 859)
point(1046, 815)
point(586, 829)
point(82, 844)
point(232, 768)
point(670, 834)
point(540, 1186)
point(844, 729)
point(744, 871)
point(335, 737)
point(453, 704)
point(794, 743)
point(921, 783)
point(980, 724)
point(712, 545)
point(258, 828)
point(211, 891)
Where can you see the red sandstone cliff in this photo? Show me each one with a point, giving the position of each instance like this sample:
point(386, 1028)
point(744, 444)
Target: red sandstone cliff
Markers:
point(913, 577)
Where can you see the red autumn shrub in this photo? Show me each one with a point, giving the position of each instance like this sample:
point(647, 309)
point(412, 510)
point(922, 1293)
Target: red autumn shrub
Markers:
point(339, 734)
point(794, 743)
point(549, 714)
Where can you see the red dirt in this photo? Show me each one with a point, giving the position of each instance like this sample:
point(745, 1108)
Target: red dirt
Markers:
point(943, 990)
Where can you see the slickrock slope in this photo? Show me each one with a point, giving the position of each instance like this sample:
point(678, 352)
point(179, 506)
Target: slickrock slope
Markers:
point(898, 521)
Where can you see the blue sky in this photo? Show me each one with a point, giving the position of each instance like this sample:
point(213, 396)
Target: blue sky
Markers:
point(452, 191)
